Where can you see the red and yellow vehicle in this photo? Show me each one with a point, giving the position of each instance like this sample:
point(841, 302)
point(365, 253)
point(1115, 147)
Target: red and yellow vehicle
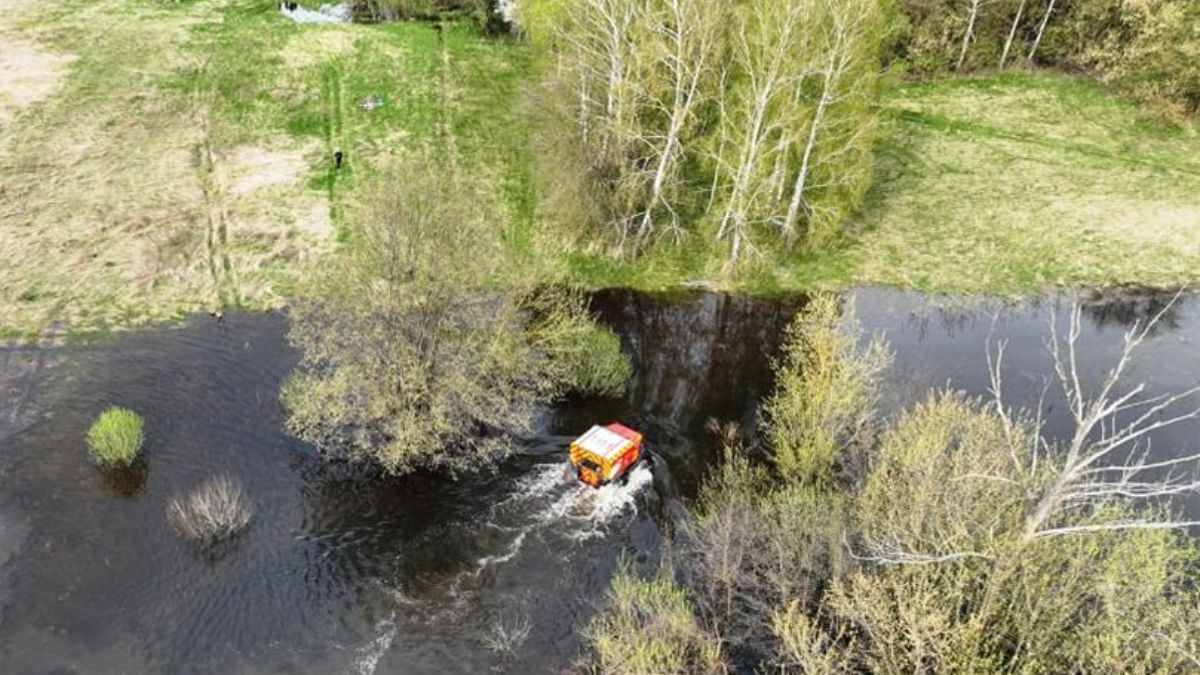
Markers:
point(605, 453)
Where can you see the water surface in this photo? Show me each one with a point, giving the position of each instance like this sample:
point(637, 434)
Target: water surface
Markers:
point(346, 571)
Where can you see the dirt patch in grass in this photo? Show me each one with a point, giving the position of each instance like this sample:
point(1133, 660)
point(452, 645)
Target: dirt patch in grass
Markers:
point(266, 197)
point(1174, 226)
point(129, 198)
point(248, 169)
point(314, 45)
point(29, 73)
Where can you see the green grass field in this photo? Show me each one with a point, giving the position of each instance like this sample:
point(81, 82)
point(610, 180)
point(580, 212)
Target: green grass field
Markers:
point(163, 158)
point(177, 155)
point(1022, 182)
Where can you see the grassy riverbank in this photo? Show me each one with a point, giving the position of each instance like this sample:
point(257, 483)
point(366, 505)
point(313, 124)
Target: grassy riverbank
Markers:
point(158, 159)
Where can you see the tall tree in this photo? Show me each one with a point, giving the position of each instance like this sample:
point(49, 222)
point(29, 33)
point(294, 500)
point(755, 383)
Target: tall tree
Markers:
point(689, 36)
point(969, 32)
point(764, 65)
point(847, 35)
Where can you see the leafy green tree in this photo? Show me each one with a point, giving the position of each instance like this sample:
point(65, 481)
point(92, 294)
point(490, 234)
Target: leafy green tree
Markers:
point(823, 406)
point(418, 350)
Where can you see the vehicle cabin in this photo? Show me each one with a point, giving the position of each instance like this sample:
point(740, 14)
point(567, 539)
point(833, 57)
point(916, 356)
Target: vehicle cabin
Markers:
point(605, 453)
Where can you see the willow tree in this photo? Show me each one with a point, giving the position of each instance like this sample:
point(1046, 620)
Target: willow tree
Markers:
point(419, 352)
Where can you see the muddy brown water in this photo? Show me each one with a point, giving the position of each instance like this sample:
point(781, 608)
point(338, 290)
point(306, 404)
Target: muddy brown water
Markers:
point(345, 571)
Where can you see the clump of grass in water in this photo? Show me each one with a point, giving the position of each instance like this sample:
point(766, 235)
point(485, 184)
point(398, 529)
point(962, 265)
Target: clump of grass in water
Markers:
point(116, 437)
point(214, 512)
point(507, 635)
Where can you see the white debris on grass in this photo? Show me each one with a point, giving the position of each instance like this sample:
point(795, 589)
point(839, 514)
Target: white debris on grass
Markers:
point(326, 13)
point(371, 103)
point(507, 10)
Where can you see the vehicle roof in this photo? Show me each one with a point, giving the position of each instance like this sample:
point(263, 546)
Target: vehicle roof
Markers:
point(603, 442)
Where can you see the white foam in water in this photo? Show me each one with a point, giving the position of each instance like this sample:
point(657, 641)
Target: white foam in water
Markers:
point(370, 654)
point(511, 553)
point(324, 14)
point(596, 506)
point(545, 480)
point(614, 499)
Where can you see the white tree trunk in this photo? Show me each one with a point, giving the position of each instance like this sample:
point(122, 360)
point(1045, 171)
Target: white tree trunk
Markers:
point(793, 213)
point(1012, 32)
point(1041, 29)
point(691, 37)
point(969, 33)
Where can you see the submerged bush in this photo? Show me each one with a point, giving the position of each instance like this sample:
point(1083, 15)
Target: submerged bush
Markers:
point(594, 362)
point(648, 628)
point(213, 512)
point(116, 436)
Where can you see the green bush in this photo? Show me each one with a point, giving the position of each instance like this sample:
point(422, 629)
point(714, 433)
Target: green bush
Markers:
point(826, 388)
point(593, 359)
point(116, 437)
point(413, 359)
point(648, 627)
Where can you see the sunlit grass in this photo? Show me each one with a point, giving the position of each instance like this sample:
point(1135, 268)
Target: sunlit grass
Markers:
point(140, 180)
point(1024, 182)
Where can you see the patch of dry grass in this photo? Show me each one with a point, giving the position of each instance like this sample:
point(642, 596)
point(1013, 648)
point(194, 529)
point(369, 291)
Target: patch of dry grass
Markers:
point(126, 200)
point(183, 162)
point(28, 73)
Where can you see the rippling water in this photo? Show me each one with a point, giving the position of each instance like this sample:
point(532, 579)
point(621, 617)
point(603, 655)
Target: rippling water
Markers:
point(345, 571)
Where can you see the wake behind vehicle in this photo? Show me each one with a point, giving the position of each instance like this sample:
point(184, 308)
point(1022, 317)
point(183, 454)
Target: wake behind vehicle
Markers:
point(605, 453)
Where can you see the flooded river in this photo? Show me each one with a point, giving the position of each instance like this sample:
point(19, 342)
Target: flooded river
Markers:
point(345, 571)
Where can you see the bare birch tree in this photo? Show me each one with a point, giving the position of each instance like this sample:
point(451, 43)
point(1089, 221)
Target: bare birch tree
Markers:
point(788, 83)
point(1037, 41)
point(690, 33)
point(606, 57)
point(844, 44)
point(1106, 459)
point(600, 42)
point(763, 58)
point(1012, 33)
point(968, 33)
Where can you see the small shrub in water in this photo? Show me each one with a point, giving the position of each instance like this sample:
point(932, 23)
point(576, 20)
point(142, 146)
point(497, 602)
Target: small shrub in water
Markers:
point(116, 437)
point(215, 511)
point(592, 359)
point(648, 627)
point(508, 635)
